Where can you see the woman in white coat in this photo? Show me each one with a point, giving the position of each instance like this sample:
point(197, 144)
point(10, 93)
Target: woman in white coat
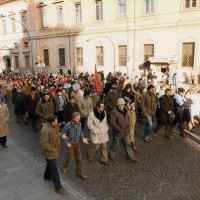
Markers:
point(98, 126)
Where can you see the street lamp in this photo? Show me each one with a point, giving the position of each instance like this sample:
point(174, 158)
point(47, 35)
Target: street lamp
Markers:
point(111, 43)
point(29, 39)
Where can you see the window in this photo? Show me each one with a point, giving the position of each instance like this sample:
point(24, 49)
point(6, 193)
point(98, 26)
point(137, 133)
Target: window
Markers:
point(46, 57)
point(60, 15)
point(149, 6)
point(43, 18)
point(148, 52)
point(78, 13)
point(24, 22)
point(27, 61)
point(121, 8)
point(4, 26)
point(79, 52)
point(122, 55)
point(99, 10)
point(62, 57)
point(25, 44)
point(16, 61)
point(13, 24)
point(188, 54)
point(99, 51)
point(190, 3)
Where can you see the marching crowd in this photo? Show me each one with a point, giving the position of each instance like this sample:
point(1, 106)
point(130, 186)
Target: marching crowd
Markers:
point(65, 104)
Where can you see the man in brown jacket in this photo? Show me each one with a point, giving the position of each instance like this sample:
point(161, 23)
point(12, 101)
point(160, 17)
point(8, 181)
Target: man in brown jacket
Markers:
point(120, 122)
point(50, 143)
point(148, 106)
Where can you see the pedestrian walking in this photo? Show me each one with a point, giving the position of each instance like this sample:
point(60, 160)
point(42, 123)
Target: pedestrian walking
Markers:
point(8, 88)
point(98, 126)
point(94, 97)
point(148, 107)
point(73, 131)
point(4, 119)
point(120, 123)
point(50, 144)
point(165, 114)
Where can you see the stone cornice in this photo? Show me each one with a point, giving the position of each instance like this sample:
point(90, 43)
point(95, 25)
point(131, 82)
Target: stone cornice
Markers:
point(6, 1)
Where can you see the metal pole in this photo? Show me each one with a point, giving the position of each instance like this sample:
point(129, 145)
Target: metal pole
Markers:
point(31, 51)
point(111, 43)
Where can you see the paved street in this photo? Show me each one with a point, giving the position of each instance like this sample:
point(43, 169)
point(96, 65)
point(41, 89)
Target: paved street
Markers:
point(168, 169)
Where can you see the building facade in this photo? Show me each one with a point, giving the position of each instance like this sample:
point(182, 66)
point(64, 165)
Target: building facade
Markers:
point(116, 35)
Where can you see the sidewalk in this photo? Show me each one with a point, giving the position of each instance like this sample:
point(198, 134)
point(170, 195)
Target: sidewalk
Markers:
point(21, 179)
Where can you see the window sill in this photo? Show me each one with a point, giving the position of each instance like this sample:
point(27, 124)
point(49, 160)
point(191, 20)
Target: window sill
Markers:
point(148, 14)
point(99, 20)
point(190, 9)
point(58, 1)
point(61, 66)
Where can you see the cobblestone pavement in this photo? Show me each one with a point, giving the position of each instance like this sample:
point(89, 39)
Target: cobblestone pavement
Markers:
point(168, 169)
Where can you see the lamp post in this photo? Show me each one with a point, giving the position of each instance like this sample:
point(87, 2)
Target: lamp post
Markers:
point(31, 52)
point(111, 43)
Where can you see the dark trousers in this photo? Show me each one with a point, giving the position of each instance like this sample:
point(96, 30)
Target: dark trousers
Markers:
point(51, 172)
point(179, 119)
point(167, 129)
point(83, 122)
point(3, 140)
point(74, 150)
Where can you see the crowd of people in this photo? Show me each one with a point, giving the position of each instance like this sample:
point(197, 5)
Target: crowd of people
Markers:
point(65, 104)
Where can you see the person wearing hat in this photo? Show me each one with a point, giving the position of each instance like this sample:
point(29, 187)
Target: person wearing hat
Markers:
point(31, 101)
point(94, 97)
point(69, 109)
point(85, 107)
point(179, 101)
point(50, 144)
point(120, 123)
point(4, 128)
point(132, 115)
point(98, 126)
point(111, 100)
point(148, 107)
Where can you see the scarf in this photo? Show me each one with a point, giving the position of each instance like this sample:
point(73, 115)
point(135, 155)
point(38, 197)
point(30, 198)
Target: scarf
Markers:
point(123, 112)
point(98, 115)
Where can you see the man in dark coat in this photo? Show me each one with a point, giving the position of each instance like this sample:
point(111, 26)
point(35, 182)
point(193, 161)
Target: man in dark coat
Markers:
point(165, 113)
point(69, 109)
point(31, 101)
point(120, 123)
point(18, 101)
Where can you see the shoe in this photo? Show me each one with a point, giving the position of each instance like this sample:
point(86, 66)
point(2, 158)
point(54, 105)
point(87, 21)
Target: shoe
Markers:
point(112, 158)
point(61, 191)
point(168, 137)
point(135, 160)
point(4, 146)
point(64, 170)
point(191, 130)
point(154, 134)
point(133, 146)
point(48, 179)
point(146, 140)
point(82, 176)
point(35, 130)
point(105, 163)
point(150, 139)
point(89, 157)
point(183, 136)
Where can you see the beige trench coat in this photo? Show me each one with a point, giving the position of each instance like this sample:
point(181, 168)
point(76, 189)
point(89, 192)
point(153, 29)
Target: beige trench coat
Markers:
point(4, 119)
point(132, 117)
point(98, 130)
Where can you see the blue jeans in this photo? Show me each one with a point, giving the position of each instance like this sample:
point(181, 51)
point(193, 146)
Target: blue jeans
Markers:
point(51, 172)
point(148, 126)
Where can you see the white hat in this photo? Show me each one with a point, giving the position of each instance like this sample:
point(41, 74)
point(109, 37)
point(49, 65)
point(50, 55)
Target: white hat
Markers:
point(121, 101)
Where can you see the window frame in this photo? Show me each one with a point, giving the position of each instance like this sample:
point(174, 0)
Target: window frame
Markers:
point(120, 8)
point(43, 18)
point(101, 10)
point(4, 26)
point(16, 56)
point(24, 24)
point(78, 18)
point(29, 66)
point(150, 11)
point(193, 61)
point(59, 15)
point(190, 4)
point(61, 56)
point(150, 44)
point(99, 63)
point(120, 56)
point(46, 63)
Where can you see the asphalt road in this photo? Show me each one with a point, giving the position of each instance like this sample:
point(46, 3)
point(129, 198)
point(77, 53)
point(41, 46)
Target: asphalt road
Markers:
point(168, 169)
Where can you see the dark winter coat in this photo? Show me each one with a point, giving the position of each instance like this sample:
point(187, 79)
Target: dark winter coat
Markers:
point(166, 104)
point(111, 101)
point(31, 103)
point(18, 100)
point(120, 122)
point(69, 110)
